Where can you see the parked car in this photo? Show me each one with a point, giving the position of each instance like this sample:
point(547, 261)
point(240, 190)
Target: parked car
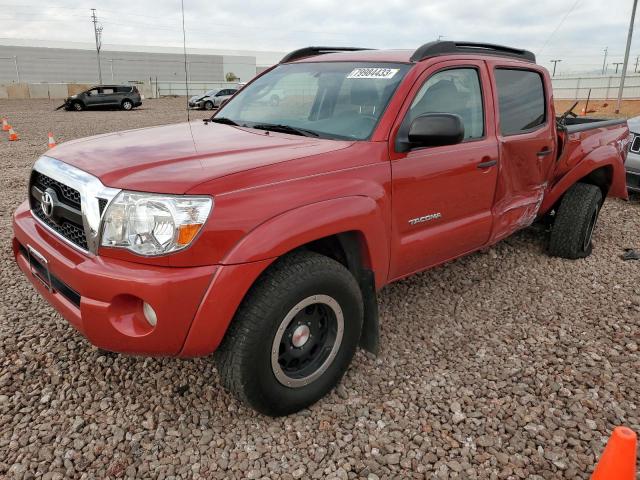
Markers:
point(212, 99)
point(264, 233)
point(126, 97)
point(633, 159)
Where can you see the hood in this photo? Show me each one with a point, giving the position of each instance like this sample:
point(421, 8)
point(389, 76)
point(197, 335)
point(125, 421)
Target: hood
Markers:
point(195, 98)
point(176, 158)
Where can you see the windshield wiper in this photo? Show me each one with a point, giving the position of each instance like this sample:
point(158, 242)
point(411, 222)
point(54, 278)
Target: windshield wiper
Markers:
point(223, 120)
point(285, 129)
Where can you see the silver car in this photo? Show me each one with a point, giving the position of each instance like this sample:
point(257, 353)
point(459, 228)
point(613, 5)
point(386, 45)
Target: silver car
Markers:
point(212, 99)
point(632, 165)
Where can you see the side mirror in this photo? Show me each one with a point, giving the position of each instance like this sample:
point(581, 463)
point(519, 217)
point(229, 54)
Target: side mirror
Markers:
point(435, 130)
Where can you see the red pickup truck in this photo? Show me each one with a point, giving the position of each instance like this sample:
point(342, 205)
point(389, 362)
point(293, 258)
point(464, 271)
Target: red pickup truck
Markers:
point(264, 233)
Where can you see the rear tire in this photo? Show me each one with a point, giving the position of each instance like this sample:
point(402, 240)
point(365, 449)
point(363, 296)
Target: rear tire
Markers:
point(127, 105)
point(575, 220)
point(293, 336)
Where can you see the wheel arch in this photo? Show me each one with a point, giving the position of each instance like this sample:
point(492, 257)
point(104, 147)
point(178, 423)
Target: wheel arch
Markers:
point(350, 230)
point(601, 167)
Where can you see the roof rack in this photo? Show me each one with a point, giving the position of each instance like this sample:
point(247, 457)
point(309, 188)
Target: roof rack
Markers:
point(313, 51)
point(433, 49)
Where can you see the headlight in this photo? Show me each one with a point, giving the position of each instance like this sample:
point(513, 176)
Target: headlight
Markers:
point(73, 96)
point(154, 224)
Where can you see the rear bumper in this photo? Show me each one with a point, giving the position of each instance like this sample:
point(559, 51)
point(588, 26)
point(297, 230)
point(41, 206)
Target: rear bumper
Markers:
point(103, 298)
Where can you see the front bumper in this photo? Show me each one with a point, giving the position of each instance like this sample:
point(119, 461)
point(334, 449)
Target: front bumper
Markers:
point(196, 104)
point(103, 297)
point(632, 167)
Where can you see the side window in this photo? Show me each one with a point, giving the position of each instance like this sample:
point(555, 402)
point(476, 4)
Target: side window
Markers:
point(453, 91)
point(107, 91)
point(520, 100)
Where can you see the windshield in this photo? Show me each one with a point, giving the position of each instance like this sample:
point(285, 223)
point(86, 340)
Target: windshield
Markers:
point(341, 100)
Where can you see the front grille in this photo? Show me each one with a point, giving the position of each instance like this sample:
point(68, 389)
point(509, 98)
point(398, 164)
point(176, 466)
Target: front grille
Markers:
point(68, 195)
point(72, 231)
point(634, 146)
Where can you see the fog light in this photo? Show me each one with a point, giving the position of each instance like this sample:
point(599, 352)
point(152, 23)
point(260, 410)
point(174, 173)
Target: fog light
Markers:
point(150, 314)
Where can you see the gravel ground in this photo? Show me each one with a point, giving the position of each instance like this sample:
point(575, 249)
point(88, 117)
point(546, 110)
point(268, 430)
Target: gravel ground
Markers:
point(504, 364)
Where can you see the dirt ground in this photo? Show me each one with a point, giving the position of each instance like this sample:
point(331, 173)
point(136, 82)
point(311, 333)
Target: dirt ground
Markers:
point(505, 364)
point(602, 108)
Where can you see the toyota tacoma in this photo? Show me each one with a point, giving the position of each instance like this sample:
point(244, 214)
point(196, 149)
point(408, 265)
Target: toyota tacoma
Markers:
point(264, 233)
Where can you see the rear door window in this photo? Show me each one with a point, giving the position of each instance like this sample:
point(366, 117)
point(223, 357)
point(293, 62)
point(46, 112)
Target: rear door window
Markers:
point(521, 100)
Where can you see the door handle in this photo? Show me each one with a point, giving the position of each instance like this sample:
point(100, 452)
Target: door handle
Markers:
point(544, 152)
point(487, 163)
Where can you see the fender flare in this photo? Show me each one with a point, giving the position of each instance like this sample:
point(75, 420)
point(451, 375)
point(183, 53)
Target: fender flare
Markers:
point(293, 228)
point(604, 156)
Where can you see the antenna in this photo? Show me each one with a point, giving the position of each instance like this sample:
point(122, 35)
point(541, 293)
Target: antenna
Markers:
point(186, 69)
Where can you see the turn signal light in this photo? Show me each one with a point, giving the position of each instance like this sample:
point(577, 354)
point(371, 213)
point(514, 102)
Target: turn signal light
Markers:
point(186, 233)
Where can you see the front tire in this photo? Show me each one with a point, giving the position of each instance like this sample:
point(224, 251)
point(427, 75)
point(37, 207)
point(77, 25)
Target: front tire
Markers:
point(575, 220)
point(77, 106)
point(208, 105)
point(294, 334)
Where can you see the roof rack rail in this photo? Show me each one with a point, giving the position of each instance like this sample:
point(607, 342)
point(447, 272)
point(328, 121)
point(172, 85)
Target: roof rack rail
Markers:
point(433, 49)
point(313, 51)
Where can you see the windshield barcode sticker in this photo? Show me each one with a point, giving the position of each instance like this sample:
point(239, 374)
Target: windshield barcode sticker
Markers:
point(373, 73)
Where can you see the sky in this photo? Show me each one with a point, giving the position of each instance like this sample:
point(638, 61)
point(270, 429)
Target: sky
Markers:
point(574, 31)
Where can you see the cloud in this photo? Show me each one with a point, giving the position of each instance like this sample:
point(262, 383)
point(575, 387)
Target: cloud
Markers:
point(283, 25)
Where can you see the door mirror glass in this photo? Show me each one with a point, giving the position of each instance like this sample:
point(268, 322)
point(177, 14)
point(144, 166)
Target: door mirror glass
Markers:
point(436, 129)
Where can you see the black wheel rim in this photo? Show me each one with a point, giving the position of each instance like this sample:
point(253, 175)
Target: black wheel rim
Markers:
point(307, 341)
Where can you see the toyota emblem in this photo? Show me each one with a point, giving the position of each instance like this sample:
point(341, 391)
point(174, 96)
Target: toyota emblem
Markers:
point(46, 205)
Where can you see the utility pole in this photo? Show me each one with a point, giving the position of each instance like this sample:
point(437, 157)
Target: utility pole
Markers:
point(98, 32)
point(626, 55)
point(635, 69)
point(604, 63)
point(617, 64)
point(555, 62)
point(15, 62)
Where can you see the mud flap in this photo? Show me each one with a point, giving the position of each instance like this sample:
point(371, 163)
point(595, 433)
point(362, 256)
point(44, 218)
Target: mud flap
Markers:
point(370, 336)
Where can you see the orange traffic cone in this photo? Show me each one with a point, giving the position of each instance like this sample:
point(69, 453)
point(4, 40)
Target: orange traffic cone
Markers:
point(618, 461)
point(51, 143)
point(13, 136)
point(5, 125)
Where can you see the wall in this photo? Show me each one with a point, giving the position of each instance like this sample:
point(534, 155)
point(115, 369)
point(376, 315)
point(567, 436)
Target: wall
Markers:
point(66, 65)
point(16, 91)
point(602, 87)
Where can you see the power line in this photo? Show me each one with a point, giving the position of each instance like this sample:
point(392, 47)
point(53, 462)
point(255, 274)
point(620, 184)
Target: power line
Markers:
point(559, 25)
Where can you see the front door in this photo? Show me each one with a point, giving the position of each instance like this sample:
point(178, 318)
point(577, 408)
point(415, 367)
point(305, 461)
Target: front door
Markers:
point(443, 196)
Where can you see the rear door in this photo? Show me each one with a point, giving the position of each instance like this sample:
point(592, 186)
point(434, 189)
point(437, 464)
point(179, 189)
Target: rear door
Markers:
point(526, 140)
point(442, 196)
